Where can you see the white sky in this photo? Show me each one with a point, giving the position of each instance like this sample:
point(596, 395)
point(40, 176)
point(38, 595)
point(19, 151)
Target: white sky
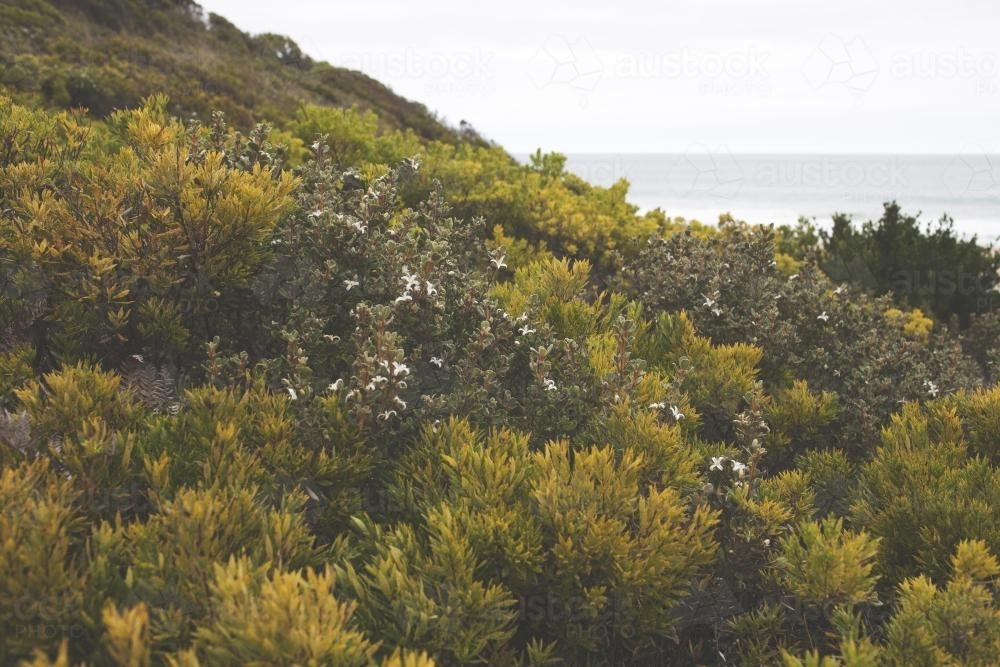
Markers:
point(640, 76)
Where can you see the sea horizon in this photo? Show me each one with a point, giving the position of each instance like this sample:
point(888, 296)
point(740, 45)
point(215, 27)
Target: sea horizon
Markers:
point(780, 188)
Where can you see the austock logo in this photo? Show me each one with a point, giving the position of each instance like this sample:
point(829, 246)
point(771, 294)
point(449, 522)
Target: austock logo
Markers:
point(974, 172)
point(835, 62)
point(700, 170)
point(563, 63)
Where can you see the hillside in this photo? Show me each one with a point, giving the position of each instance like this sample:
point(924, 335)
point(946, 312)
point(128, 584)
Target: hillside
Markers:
point(107, 54)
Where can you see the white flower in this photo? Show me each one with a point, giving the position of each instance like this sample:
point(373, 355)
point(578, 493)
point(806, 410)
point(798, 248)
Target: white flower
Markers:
point(351, 394)
point(351, 284)
point(793, 276)
point(658, 406)
point(400, 369)
point(376, 382)
point(316, 145)
point(437, 361)
point(932, 388)
point(708, 302)
point(337, 386)
point(293, 394)
point(525, 330)
point(411, 280)
point(676, 413)
point(823, 316)
point(767, 542)
point(717, 462)
point(523, 317)
point(499, 262)
point(739, 467)
point(550, 384)
point(717, 311)
point(839, 290)
point(315, 214)
point(400, 402)
point(360, 226)
point(405, 297)
point(384, 416)
point(431, 290)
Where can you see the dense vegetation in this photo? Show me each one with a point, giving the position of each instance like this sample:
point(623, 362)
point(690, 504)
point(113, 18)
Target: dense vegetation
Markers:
point(340, 394)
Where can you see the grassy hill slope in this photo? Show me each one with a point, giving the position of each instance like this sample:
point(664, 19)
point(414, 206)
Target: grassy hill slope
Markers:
point(107, 54)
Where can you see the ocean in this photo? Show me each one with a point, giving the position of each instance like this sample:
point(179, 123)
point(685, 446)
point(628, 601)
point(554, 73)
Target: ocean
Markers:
point(700, 184)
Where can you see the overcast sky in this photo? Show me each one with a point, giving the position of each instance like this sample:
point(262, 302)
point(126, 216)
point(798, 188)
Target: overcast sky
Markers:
point(886, 76)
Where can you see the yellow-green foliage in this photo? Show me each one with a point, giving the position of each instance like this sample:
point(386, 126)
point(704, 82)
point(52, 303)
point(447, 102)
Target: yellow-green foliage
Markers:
point(957, 624)
point(262, 619)
point(822, 564)
point(140, 228)
point(581, 537)
point(914, 323)
point(42, 579)
point(980, 414)
point(15, 370)
point(556, 290)
point(800, 419)
point(922, 494)
point(199, 528)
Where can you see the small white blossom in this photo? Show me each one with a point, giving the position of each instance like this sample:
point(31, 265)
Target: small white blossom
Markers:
point(717, 462)
point(403, 298)
point(400, 369)
point(658, 406)
point(351, 284)
point(337, 386)
point(839, 290)
point(400, 402)
point(360, 226)
point(525, 330)
point(437, 361)
point(717, 311)
point(550, 384)
point(293, 394)
point(316, 214)
point(793, 276)
point(410, 280)
point(823, 316)
point(709, 303)
point(676, 413)
point(932, 388)
point(767, 541)
point(499, 262)
point(429, 287)
point(385, 416)
point(738, 467)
